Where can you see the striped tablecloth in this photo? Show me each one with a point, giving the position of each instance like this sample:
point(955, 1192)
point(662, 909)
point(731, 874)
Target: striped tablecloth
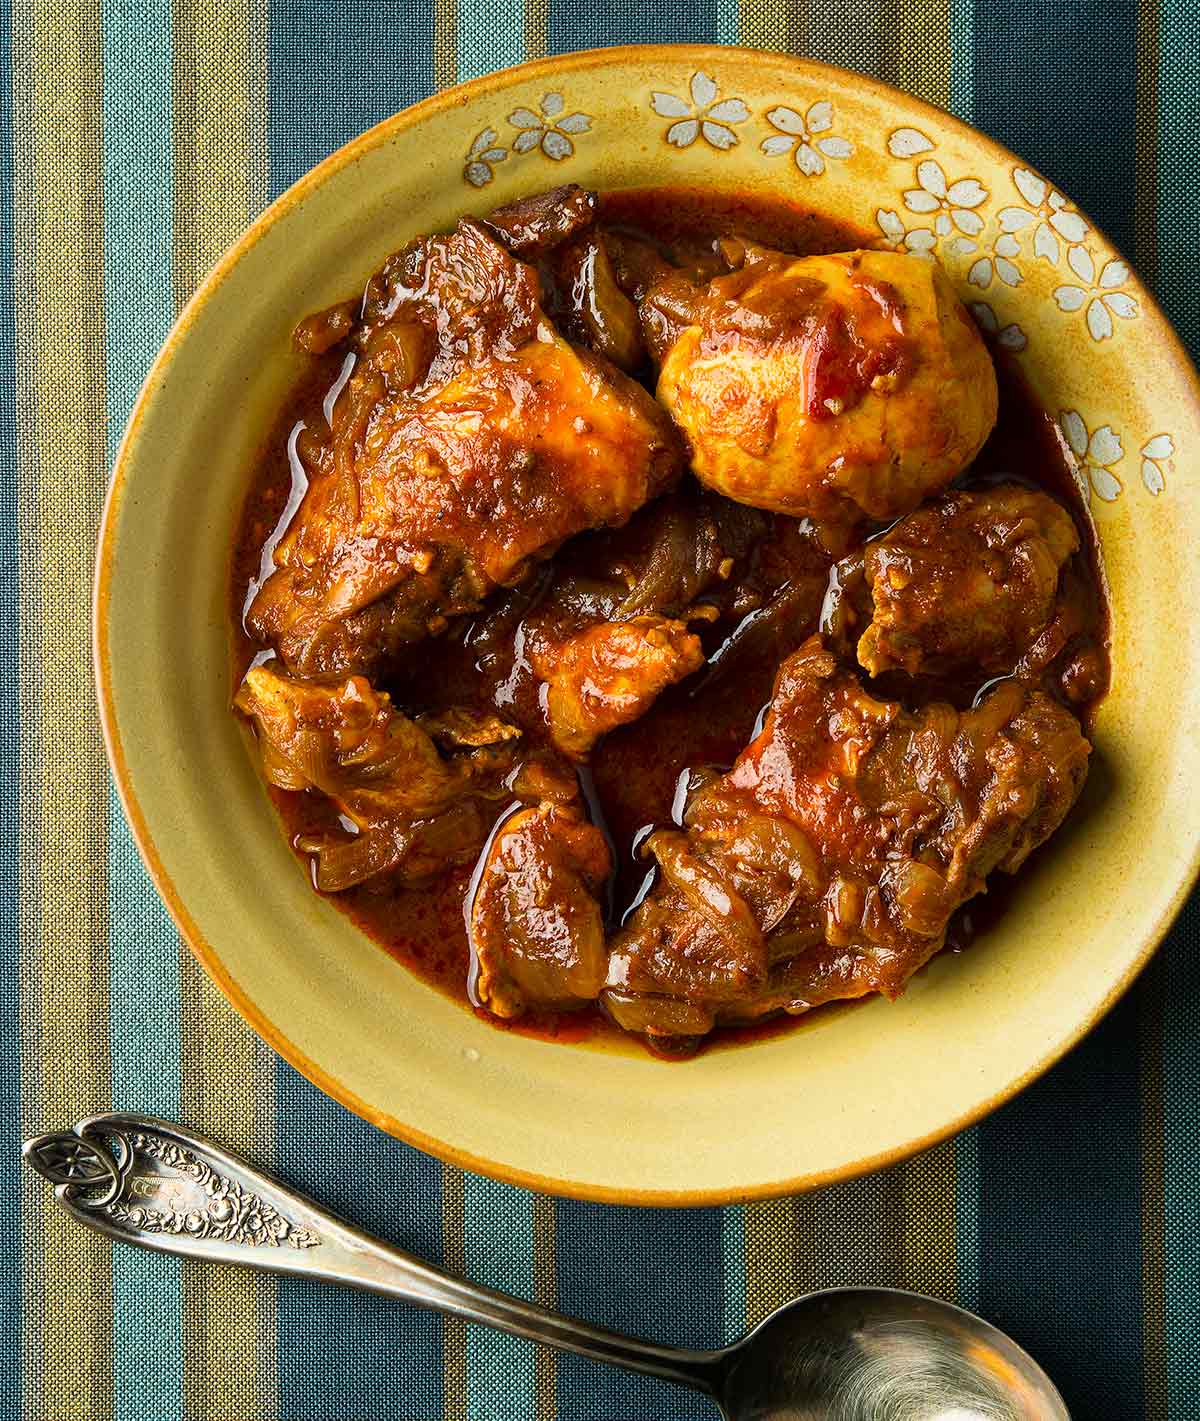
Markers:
point(137, 139)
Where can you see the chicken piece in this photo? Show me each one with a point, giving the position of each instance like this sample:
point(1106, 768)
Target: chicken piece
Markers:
point(535, 924)
point(609, 675)
point(828, 386)
point(412, 808)
point(533, 226)
point(828, 861)
point(965, 583)
point(469, 442)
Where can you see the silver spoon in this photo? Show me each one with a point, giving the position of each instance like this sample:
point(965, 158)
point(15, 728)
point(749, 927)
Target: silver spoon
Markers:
point(848, 1354)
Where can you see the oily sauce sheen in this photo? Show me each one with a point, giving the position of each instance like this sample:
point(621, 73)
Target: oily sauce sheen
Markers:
point(638, 773)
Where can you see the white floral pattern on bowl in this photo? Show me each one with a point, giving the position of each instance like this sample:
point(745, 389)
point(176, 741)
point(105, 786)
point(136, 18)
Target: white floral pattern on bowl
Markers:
point(1156, 453)
point(1095, 454)
point(482, 155)
point(806, 137)
point(1101, 294)
point(706, 115)
point(1048, 213)
point(1009, 337)
point(548, 130)
point(953, 202)
point(909, 142)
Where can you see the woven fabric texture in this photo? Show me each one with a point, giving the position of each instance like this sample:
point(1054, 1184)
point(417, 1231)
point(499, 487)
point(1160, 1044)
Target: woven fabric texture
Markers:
point(137, 140)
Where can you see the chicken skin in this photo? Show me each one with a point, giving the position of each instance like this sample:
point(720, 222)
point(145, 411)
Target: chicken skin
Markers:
point(966, 583)
point(825, 386)
point(414, 810)
point(469, 441)
point(609, 675)
point(535, 924)
point(828, 861)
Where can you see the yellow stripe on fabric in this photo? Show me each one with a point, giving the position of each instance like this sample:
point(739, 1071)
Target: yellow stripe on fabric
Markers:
point(537, 28)
point(445, 44)
point(929, 1240)
point(917, 48)
point(454, 1333)
point(770, 1247)
point(775, 25)
point(59, 293)
point(849, 1234)
point(228, 1074)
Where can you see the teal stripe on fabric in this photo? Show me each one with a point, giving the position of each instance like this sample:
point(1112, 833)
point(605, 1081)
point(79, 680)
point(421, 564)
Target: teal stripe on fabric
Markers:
point(498, 1251)
point(1178, 182)
point(143, 948)
point(725, 21)
point(962, 59)
point(490, 34)
point(966, 1217)
point(733, 1268)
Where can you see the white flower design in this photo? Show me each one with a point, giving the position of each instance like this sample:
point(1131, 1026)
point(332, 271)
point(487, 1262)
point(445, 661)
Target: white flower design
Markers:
point(482, 154)
point(798, 135)
point(1095, 454)
point(954, 203)
point(1048, 209)
point(549, 129)
point(920, 242)
point(998, 263)
point(1010, 337)
point(705, 115)
point(1101, 295)
point(1155, 452)
point(908, 142)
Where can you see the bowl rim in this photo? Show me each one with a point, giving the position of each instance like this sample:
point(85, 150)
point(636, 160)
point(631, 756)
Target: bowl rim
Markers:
point(209, 959)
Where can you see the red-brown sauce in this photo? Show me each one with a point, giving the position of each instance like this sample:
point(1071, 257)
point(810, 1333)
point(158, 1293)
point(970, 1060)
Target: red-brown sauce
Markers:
point(635, 772)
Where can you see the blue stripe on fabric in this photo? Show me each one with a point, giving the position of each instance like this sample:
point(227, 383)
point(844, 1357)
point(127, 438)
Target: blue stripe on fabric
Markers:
point(143, 947)
point(1178, 188)
point(653, 1273)
point(733, 1272)
point(570, 25)
point(489, 35)
point(332, 74)
point(1030, 96)
point(1181, 1184)
point(962, 59)
point(10, 739)
point(498, 1251)
point(1059, 1178)
point(1178, 239)
point(1060, 1221)
point(335, 71)
point(343, 1355)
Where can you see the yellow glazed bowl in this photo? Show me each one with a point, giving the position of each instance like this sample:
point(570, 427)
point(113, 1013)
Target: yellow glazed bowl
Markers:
point(853, 1090)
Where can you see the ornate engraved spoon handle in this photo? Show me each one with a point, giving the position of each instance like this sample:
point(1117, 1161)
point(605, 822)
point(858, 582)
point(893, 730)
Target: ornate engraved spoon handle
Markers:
point(149, 1182)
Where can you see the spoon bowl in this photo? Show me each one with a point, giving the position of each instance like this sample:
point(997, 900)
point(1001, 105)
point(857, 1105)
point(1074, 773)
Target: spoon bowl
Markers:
point(880, 1354)
point(849, 1354)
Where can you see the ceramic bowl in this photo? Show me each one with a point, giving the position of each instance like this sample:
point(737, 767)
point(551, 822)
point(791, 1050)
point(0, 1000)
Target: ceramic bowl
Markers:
point(850, 1091)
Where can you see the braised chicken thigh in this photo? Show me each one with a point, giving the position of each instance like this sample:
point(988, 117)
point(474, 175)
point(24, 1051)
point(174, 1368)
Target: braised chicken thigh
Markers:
point(469, 441)
point(412, 809)
point(966, 582)
point(668, 621)
point(828, 861)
